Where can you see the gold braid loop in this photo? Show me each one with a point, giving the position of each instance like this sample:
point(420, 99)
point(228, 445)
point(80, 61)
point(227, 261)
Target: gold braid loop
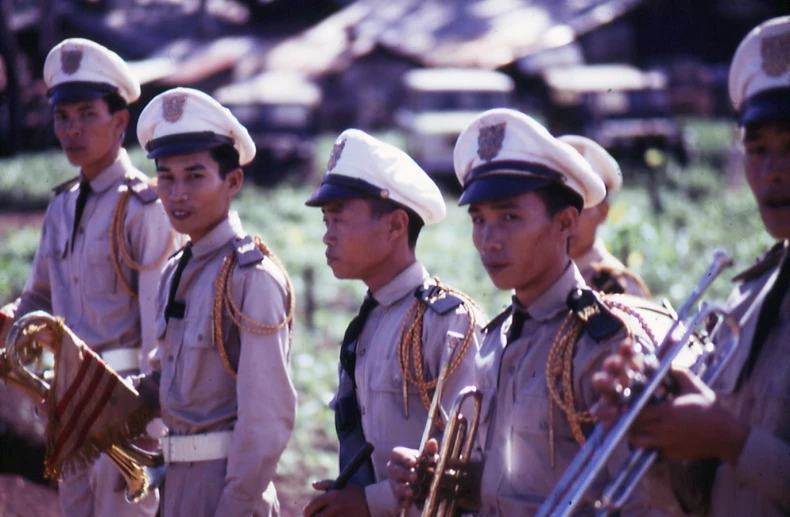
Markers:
point(559, 371)
point(610, 300)
point(410, 348)
point(118, 244)
point(225, 304)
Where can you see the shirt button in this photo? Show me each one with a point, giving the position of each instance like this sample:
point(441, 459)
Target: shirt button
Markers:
point(81, 230)
point(200, 337)
point(76, 280)
point(363, 410)
point(170, 358)
point(362, 352)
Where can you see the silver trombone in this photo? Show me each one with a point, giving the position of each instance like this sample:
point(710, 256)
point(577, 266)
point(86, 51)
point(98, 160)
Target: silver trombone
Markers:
point(645, 388)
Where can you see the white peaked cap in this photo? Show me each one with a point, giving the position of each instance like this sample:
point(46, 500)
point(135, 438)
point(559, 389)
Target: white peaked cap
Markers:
point(361, 166)
point(183, 121)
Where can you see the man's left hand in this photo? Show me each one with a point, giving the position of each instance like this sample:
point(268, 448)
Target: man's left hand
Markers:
point(347, 501)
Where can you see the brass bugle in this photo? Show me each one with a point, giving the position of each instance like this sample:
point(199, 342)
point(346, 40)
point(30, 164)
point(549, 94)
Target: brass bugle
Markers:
point(648, 387)
point(142, 470)
point(453, 340)
point(454, 456)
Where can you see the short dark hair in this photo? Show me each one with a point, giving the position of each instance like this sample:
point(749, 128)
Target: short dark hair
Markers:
point(379, 207)
point(556, 197)
point(227, 157)
point(115, 103)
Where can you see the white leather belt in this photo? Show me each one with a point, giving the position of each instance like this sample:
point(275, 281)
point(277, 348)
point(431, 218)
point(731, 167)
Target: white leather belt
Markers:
point(196, 447)
point(122, 359)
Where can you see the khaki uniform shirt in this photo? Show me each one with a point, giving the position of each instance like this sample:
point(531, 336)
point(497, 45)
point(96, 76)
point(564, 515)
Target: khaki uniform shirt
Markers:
point(759, 483)
point(81, 285)
point(599, 257)
point(517, 473)
point(380, 382)
point(197, 393)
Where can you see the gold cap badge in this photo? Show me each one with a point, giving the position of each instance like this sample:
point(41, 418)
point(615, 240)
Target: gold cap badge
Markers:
point(334, 156)
point(489, 141)
point(173, 107)
point(775, 51)
point(70, 61)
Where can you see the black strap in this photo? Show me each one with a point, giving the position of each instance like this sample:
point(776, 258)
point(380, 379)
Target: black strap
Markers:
point(348, 350)
point(177, 309)
point(519, 317)
point(348, 417)
point(82, 199)
point(769, 314)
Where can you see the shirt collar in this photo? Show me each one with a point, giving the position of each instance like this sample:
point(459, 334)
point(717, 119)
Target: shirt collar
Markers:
point(403, 284)
point(219, 236)
point(554, 300)
point(112, 174)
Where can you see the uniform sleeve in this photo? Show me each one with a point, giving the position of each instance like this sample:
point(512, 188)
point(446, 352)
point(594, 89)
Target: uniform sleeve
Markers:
point(37, 293)
point(764, 465)
point(149, 231)
point(266, 397)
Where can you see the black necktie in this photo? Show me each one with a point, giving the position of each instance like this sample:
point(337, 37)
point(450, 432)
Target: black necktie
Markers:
point(769, 313)
point(82, 199)
point(174, 308)
point(348, 351)
point(519, 316)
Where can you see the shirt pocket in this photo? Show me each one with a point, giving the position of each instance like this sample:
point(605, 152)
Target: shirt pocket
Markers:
point(383, 409)
point(202, 370)
point(100, 277)
point(530, 447)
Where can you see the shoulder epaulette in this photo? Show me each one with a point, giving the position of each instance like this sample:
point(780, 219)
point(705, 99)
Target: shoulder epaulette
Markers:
point(247, 252)
point(607, 280)
point(66, 185)
point(599, 321)
point(141, 189)
point(498, 319)
point(439, 300)
point(769, 261)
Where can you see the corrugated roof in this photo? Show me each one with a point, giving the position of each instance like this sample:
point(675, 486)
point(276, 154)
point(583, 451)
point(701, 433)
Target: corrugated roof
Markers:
point(445, 33)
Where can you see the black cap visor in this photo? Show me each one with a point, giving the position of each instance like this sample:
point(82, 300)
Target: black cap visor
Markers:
point(185, 143)
point(79, 91)
point(499, 180)
point(766, 106)
point(336, 187)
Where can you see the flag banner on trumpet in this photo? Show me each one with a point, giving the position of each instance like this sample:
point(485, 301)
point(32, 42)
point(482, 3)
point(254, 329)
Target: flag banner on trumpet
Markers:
point(90, 407)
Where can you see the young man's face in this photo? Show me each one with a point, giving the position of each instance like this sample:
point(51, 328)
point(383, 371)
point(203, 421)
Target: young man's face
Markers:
point(767, 164)
point(356, 241)
point(589, 221)
point(521, 247)
point(89, 134)
point(194, 194)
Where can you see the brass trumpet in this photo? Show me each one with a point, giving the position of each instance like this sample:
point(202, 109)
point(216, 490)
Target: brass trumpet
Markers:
point(142, 470)
point(650, 387)
point(446, 478)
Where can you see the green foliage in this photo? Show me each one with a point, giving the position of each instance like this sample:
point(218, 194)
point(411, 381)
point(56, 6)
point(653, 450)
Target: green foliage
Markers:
point(670, 250)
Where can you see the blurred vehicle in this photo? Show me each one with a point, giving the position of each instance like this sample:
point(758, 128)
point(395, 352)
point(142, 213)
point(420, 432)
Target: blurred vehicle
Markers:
point(279, 111)
point(623, 108)
point(439, 104)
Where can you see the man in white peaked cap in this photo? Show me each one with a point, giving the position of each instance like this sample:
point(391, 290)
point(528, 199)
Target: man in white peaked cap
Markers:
point(600, 269)
point(375, 200)
point(525, 190)
point(732, 440)
point(103, 243)
point(224, 320)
